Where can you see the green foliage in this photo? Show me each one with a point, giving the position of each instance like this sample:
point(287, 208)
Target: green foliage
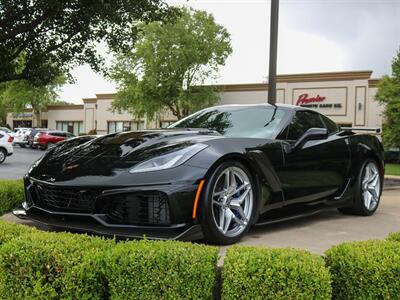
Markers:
point(169, 64)
point(11, 195)
point(162, 270)
point(394, 236)
point(43, 265)
point(389, 95)
point(365, 270)
point(263, 273)
point(17, 95)
point(39, 40)
point(9, 231)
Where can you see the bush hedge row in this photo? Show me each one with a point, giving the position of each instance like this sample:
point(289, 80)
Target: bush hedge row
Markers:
point(257, 273)
point(365, 270)
point(44, 265)
point(11, 195)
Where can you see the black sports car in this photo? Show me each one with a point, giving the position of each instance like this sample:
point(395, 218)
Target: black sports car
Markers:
point(211, 175)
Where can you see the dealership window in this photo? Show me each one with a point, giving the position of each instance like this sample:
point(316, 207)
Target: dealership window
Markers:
point(165, 124)
point(119, 126)
point(74, 127)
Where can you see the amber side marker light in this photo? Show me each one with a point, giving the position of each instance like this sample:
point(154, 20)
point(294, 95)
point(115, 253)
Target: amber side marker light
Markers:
point(196, 200)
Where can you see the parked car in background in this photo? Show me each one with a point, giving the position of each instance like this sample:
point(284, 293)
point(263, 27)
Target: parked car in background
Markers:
point(31, 135)
point(8, 131)
point(47, 139)
point(20, 137)
point(6, 147)
point(392, 155)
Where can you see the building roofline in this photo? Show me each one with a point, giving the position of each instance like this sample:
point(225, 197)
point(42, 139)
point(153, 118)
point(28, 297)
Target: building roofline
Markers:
point(373, 82)
point(89, 100)
point(289, 78)
point(64, 106)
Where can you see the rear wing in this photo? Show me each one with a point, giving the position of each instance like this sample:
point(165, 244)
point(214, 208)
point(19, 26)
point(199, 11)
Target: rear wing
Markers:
point(373, 130)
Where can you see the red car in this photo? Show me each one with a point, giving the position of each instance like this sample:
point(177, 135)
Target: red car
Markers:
point(47, 139)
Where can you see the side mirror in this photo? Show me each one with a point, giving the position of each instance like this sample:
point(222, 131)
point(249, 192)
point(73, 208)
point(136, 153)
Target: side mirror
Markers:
point(311, 134)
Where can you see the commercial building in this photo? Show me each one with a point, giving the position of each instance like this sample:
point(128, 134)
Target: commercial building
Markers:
point(346, 97)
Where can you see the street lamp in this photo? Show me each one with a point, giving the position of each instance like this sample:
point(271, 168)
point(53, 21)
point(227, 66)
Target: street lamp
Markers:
point(273, 48)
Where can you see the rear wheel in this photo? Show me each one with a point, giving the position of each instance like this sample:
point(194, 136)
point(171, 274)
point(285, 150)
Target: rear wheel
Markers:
point(229, 204)
point(22, 145)
point(3, 155)
point(368, 191)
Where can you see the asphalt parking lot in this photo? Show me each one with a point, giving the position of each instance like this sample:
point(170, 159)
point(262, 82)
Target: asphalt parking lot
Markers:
point(316, 233)
point(16, 165)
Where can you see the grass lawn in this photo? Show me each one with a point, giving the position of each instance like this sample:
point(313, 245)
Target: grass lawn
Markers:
point(392, 169)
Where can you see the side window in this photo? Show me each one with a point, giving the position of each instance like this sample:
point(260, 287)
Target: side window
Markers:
point(330, 125)
point(302, 121)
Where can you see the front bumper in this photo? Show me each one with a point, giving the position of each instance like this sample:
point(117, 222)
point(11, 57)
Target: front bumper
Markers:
point(99, 216)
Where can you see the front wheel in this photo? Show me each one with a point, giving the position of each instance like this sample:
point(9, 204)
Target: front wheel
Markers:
point(368, 191)
point(229, 204)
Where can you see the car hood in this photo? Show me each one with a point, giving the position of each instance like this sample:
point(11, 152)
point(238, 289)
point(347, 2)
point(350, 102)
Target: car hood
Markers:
point(111, 155)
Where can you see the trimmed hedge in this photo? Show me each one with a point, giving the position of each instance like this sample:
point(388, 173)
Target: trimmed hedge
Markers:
point(162, 270)
point(9, 231)
point(394, 236)
point(44, 265)
point(11, 195)
point(265, 273)
point(365, 270)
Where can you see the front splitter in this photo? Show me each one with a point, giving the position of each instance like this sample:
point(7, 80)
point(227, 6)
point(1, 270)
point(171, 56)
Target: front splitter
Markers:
point(88, 224)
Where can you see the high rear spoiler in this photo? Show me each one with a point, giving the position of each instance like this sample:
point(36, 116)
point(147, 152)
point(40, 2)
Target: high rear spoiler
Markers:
point(375, 130)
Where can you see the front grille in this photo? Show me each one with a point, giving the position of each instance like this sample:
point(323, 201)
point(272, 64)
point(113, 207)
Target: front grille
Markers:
point(140, 209)
point(63, 199)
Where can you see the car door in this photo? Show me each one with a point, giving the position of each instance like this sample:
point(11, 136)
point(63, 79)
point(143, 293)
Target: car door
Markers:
point(319, 168)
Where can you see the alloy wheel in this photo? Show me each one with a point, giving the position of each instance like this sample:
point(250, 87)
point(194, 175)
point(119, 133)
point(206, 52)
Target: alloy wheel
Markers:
point(232, 201)
point(2, 156)
point(371, 186)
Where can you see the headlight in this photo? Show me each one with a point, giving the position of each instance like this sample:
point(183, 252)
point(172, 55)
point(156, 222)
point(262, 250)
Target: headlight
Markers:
point(169, 160)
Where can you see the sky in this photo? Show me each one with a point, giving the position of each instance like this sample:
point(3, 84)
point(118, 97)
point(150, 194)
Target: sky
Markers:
point(314, 36)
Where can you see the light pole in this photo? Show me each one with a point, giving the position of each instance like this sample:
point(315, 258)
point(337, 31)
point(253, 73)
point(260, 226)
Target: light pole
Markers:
point(273, 49)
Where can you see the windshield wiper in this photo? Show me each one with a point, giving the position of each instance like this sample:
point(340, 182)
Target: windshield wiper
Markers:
point(273, 116)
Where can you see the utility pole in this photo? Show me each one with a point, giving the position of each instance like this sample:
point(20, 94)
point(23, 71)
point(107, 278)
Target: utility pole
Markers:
point(273, 49)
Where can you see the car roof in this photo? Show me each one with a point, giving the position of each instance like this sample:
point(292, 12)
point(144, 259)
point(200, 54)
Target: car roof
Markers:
point(279, 105)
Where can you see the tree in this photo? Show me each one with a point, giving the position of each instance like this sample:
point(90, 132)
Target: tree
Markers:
point(389, 95)
point(20, 94)
point(39, 39)
point(169, 64)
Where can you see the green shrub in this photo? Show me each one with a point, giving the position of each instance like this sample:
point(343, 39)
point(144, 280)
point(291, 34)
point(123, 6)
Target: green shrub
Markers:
point(394, 236)
point(42, 265)
point(264, 273)
point(162, 270)
point(9, 230)
point(11, 195)
point(365, 270)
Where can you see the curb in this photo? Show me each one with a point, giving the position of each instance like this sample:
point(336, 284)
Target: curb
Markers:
point(392, 177)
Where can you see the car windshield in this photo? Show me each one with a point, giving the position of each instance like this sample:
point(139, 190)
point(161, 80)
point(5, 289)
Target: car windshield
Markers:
point(256, 122)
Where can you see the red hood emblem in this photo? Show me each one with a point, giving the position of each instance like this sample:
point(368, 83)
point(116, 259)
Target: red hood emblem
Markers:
point(67, 168)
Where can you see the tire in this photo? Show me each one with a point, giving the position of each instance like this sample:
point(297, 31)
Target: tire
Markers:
point(368, 191)
point(3, 155)
point(22, 145)
point(238, 209)
point(44, 147)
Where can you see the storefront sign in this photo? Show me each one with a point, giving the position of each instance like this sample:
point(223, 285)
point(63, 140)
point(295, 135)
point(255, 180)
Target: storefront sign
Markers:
point(313, 102)
point(304, 99)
